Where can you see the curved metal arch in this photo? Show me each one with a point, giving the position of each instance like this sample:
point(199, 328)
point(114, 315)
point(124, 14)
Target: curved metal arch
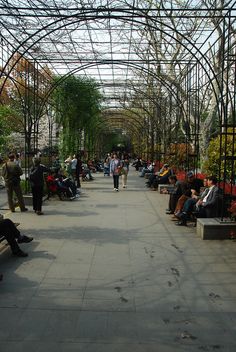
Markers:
point(14, 81)
point(115, 119)
point(131, 117)
point(145, 15)
point(123, 62)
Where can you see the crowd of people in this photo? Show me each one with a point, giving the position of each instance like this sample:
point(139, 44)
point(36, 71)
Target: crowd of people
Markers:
point(190, 198)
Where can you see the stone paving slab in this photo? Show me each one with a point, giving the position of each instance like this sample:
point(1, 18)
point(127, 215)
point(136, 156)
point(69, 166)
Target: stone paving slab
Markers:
point(111, 272)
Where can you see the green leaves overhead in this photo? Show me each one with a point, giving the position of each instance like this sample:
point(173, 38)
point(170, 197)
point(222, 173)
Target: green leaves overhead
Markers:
point(78, 106)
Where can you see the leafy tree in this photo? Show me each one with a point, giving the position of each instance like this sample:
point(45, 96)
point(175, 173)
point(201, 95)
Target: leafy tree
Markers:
point(9, 121)
point(221, 153)
point(24, 90)
point(77, 103)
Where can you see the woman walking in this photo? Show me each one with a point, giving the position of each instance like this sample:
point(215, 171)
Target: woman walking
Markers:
point(124, 172)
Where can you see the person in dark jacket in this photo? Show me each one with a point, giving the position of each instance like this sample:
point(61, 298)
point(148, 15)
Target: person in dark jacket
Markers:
point(37, 183)
point(78, 170)
point(11, 173)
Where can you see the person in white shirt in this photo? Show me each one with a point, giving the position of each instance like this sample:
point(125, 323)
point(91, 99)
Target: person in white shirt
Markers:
point(208, 207)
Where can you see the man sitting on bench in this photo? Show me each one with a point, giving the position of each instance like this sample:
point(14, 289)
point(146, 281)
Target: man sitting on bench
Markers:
point(13, 236)
point(207, 204)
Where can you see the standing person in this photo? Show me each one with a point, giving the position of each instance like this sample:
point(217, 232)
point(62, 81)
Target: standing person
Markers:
point(73, 167)
point(124, 172)
point(37, 184)
point(78, 171)
point(114, 171)
point(68, 166)
point(11, 173)
point(17, 159)
point(56, 165)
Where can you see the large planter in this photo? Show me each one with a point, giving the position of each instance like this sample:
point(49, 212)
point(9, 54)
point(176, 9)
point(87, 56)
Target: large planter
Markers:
point(215, 229)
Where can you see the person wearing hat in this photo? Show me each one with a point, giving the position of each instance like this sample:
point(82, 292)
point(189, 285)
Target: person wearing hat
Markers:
point(36, 177)
point(193, 182)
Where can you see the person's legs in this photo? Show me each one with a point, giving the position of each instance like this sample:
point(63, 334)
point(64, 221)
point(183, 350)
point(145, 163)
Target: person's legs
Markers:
point(37, 193)
point(34, 194)
point(116, 181)
point(78, 184)
point(10, 197)
point(124, 180)
point(10, 232)
point(18, 192)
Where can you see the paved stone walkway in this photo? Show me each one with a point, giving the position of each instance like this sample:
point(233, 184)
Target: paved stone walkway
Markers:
point(111, 273)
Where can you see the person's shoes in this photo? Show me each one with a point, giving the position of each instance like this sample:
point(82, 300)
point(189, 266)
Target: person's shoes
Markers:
point(24, 209)
point(117, 190)
point(169, 212)
point(39, 213)
point(181, 223)
point(24, 239)
point(20, 253)
point(178, 214)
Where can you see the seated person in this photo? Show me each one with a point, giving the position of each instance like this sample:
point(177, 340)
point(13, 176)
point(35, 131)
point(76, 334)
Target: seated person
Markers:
point(162, 177)
point(147, 169)
point(206, 206)
point(175, 193)
point(157, 176)
point(11, 233)
point(137, 164)
point(193, 183)
point(189, 203)
point(180, 203)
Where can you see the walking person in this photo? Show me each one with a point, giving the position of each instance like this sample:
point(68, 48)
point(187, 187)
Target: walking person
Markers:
point(37, 184)
point(115, 171)
point(124, 172)
point(11, 173)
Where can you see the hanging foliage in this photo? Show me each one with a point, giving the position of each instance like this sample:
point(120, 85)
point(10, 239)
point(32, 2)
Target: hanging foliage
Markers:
point(77, 101)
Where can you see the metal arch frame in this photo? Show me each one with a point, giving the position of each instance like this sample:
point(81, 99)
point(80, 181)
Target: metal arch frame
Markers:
point(145, 15)
point(102, 62)
point(120, 119)
point(122, 63)
point(148, 18)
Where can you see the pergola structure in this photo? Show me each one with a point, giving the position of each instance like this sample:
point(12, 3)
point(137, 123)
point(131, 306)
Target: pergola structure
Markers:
point(170, 64)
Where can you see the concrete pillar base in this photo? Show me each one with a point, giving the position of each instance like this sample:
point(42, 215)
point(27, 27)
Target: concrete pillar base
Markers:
point(214, 229)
